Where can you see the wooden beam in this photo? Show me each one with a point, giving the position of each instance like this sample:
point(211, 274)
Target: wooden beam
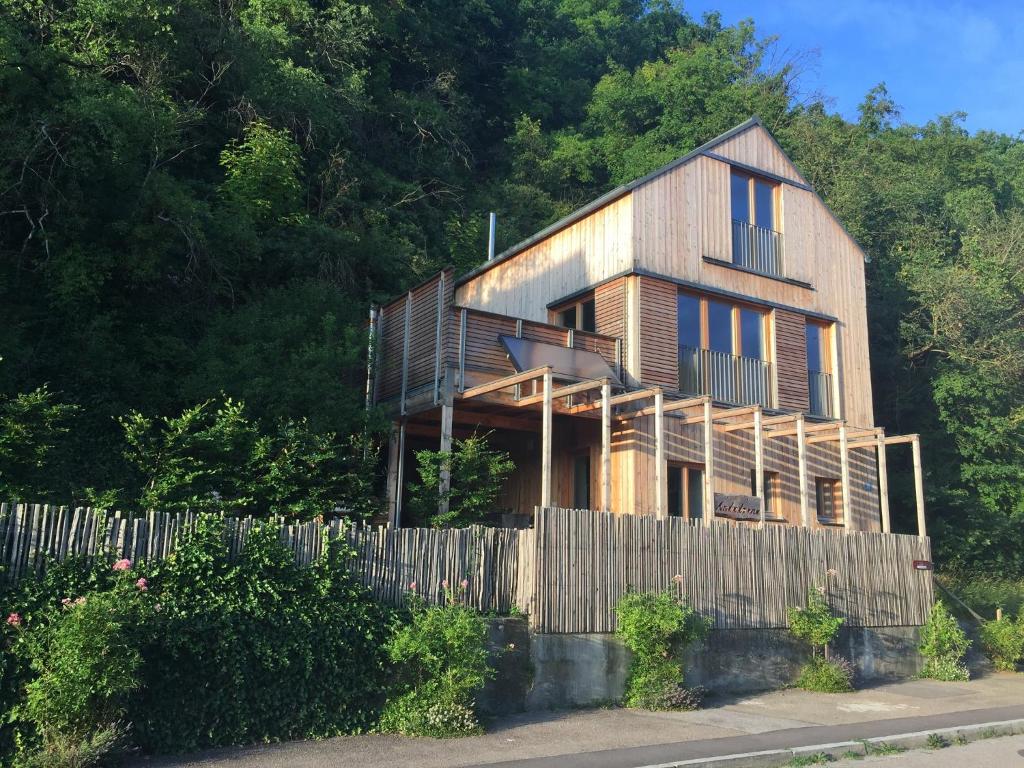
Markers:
point(659, 455)
point(759, 462)
point(405, 351)
point(709, 463)
point(392, 479)
point(545, 456)
point(919, 486)
point(571, 389)
point(400, 478)
point(894, 440)
point(801, 458)
point(883, 483)
point(844, 468)
point(670, 407)
point(447, 413)
point(857, 433)
point(625, 397)
point(765, 422)
point(606, 446)
point(743, 411)
point(808, 428)
point(506, 381)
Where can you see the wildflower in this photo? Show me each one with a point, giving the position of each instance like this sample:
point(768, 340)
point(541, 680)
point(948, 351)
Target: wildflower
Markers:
point(444, 584)
point(412, 587)
point(465, 583)
point(678, 578)
point(158, 607)
point(79, 601)
point(831, 572)
point(511, 646)
point(122, 565)
point(821, 590)
point(14, 620)
point(66, 601)
point(142, 585)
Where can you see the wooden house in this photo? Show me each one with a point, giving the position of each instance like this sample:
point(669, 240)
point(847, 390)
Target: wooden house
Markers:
point(691, 344)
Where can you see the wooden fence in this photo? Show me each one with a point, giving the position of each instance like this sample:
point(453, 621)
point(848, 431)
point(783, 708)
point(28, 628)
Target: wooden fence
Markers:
point(388, 560)
point(740, 576)
point(567, 572)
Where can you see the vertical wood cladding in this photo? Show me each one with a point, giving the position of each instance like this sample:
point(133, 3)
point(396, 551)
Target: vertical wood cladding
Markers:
point(610, 311)
point(791, 360)
point(658, 333)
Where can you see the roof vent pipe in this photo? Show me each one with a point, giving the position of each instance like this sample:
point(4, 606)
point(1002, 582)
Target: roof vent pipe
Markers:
point(492, 219)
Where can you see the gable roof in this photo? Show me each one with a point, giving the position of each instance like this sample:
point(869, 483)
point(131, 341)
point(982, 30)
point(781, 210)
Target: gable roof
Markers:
point(624, 189)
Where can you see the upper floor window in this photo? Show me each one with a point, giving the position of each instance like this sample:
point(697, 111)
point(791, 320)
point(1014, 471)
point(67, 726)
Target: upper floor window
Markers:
point(756, 239)
point(820, 386)
point(723, 350)
point(580, 315)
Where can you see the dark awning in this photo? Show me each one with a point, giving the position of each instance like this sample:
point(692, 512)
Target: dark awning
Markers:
point(577, 364)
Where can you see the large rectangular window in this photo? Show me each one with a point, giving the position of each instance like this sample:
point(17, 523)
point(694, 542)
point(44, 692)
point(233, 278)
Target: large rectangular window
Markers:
point(820, 384)
point(756, 239)
point(580, 315)
point(686, 491)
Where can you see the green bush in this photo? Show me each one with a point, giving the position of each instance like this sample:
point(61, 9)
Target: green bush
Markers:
point(944, 645)
point(1004, 642)
point(657, 628)
point(441, 664)
point(815, 624)
point(984, 594)
point(823, 675)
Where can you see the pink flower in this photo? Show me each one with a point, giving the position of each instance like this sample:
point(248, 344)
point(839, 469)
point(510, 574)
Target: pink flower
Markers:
point(142, 584)
point(14, 620)
point(122, 565)
point(464, 584)
point(412, 587)
point(444, 584)
point(66, 601)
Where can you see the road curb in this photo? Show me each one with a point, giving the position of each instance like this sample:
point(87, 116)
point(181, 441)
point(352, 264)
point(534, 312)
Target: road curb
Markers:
point(774, 758)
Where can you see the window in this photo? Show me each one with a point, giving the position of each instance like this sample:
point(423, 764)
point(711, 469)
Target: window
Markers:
point(826, 494)
point(819, 368)
point(580, 315)
point(723, 350)
point(756, 240)
point(686, 491)
point(581, 481)
point(772, 510)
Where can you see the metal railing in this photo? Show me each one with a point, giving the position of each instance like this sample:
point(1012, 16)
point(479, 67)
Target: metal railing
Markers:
point(819, 387)
point(729, 378)
point(757, 248)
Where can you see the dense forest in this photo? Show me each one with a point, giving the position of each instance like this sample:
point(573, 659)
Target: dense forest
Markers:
point(199, 200)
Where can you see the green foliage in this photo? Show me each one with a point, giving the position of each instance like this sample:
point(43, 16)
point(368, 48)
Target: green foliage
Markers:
point(441, 663)
point(31, 426)
point(936, 741)
point(802, 761)
point(477, 472)
point(815, 624)
point(944, 645)
point(657, 628)
point(823, 675)
point(214, 457)
point(984, 594)
point(1003, 642)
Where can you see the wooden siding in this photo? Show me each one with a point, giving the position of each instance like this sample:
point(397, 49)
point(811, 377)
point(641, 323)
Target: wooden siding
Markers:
point(583, 254)
point(659, 342)
point(791, 360)
point(756, 148)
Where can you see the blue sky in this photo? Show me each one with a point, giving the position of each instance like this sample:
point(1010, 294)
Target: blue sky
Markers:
point(934, 57)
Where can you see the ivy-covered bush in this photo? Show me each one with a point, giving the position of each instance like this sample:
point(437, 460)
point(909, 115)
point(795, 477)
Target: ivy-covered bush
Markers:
point(817, 626)
point(944, 645)
point(441, 664)
point(199, 650)
point(657, 628)
point(1003, 641)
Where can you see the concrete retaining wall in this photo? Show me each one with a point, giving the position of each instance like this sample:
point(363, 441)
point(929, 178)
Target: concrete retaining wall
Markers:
point(540, 672)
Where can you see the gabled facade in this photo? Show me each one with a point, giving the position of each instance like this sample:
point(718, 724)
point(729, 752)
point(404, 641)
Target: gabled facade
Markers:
point(728, 304)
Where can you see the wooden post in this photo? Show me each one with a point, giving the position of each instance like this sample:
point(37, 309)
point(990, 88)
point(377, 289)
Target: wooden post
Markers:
point(801, 459)
point(709, 468)
point(447, 415)
point(545, 451)
point(405, 350)
point(392, 482)
point(759, 463)
point(883, 484)
point(659, 455)
point(439, 339)
point(844, 464)
point(606, 447)
point(915, 445)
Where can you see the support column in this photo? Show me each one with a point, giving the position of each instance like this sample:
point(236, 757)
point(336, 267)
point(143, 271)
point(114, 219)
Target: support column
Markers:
point(709, 464)
point(392, 480)
point(659, 455)
point(844, 463)
point(801, 458)
point(883, 484)
point(400, 476)
point(606, 447)
point(405, 351)
point(759, 463)
point(915, 444)
point(447, 415)
point(545, 450)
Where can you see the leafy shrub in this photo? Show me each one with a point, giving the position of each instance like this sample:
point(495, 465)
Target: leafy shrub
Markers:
point(815, 624)
point(680, 697)
point(657, 628)
point(834, 675)
point(441, 665)
point(985, 593)
point(944, 645)
point(1004, 642)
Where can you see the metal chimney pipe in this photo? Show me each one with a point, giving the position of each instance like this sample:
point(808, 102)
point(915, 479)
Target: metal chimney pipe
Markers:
point(493, 224)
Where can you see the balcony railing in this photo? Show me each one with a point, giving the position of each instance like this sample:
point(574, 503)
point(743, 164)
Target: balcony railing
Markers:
point(729, 378)
point(757, 248)
point(819, 386)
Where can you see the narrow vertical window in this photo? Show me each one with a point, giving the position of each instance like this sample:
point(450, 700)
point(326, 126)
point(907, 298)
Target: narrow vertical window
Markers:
point(819, 374)
point(581, 482)
point(675, 491)
point(826, 495)
point(588, 316)
point(695, 492)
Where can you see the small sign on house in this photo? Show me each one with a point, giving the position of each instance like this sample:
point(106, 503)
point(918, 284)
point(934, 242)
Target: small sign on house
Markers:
point(737, 507)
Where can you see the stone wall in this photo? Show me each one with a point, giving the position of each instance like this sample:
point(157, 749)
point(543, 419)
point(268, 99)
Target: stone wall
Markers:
point(540, 672)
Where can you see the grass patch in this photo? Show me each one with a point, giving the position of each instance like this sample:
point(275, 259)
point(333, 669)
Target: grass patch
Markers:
point(983, 594)
point(936, 741)
point(802, 761)
point(882, 748)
